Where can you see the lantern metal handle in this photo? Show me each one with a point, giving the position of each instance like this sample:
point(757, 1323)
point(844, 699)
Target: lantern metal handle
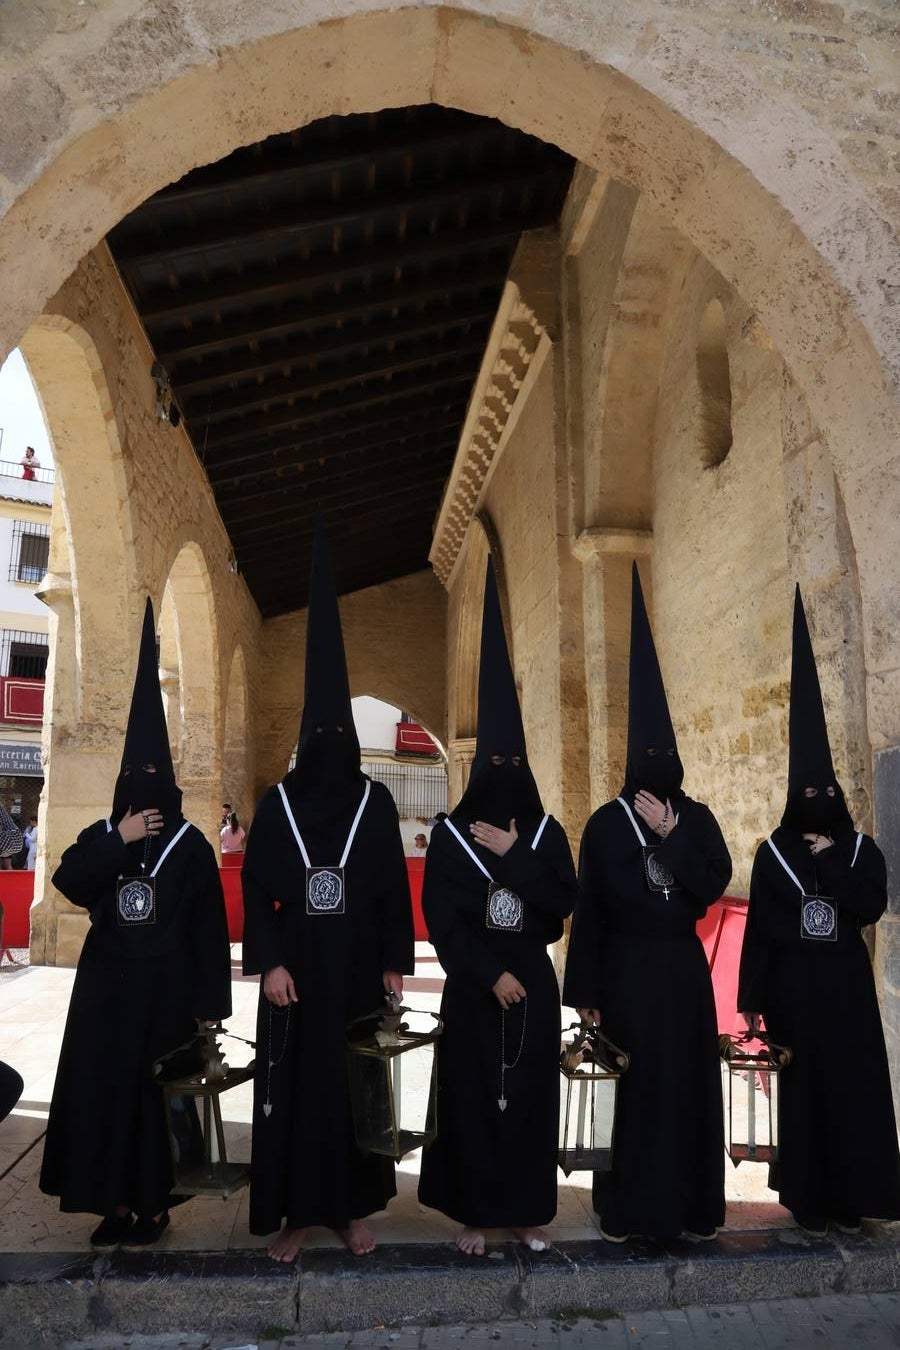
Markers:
point(592, 1047)
point(214, 1067)
point(779, 1056)
point(390, 1020)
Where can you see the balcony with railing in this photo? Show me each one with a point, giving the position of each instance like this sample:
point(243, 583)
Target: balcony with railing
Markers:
point(23, 661)
point(16, 484)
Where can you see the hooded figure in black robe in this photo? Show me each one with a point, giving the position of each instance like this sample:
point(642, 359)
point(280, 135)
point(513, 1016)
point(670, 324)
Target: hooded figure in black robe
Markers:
point(150, 969)
point(805, 968)
point(493, 1163)
point(327, 956)
point(635, 963)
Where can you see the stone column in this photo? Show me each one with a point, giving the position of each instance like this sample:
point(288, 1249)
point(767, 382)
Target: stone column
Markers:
point(79, 772)
point(459, 762)
point(607, 555)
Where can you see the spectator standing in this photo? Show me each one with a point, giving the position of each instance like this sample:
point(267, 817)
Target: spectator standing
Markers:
point(232, 835)
point(30, 837)
point(10, 840)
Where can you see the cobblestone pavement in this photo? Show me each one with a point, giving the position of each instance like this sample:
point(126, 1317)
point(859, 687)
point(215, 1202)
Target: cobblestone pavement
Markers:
point(855, 1321)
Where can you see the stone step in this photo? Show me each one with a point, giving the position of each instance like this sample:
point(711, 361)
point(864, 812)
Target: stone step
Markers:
point(327, 1290)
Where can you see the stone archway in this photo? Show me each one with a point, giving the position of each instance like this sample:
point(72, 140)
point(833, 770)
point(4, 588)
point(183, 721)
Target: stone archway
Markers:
point(656, 101)
point(89, 590)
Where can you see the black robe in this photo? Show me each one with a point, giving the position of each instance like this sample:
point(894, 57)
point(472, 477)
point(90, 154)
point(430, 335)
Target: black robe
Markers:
point(838, 1153)
point(635, 956)
point(137, 992)
point(306, 1168)
point(489, 1168)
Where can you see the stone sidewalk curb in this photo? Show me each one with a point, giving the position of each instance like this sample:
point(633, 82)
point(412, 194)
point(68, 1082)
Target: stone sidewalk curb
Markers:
point(156, 1292)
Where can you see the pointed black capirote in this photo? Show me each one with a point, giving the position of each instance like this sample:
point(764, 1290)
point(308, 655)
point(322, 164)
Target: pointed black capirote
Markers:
point(499, 730)
point(497, 793)
point(649, 722)
point(147, 737)
point(810, 763)
point(326, 702)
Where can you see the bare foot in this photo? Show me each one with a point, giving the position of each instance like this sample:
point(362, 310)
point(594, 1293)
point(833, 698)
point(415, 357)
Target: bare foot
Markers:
point(471, 1242)
point(358, 1238)
point(534, 1238)
point(286, 1247)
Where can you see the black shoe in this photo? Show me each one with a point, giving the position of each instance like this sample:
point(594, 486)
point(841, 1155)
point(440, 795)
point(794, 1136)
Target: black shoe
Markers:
point(812, 1224)
point(146, 1231)
point(700, 1234)
point(847, 1223)
point(610, 1235)
point(113, 1230)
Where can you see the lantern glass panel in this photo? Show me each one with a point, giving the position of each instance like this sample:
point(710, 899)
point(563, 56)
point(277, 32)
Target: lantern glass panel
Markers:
point(587, 1121)
point(193, 1079)
point(197, 1137)
point(591, 1067)
point(751, 1065)
point(751, 1107)
point(390, 1091)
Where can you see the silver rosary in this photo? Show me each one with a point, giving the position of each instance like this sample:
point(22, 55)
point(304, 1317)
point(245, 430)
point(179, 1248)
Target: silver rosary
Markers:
point(273, 1063)
point(501, 1100)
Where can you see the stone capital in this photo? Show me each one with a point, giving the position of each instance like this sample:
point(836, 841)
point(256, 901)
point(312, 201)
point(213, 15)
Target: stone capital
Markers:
point(601, 541)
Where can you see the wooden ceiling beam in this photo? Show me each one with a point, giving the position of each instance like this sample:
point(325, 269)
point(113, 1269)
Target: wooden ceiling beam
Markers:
point(142, 248)
point(340, 343)
point(403, 388)
point(272, 171)
point(206, 297)
point(259, 521)
point(446, 284)
point(337, 376)
point(436, 414)
point(373, 459)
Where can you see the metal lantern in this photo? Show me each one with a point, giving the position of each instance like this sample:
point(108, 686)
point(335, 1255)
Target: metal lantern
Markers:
point(391, 1081)
point(194, 1076)
point(750, 1091)
point(591, 1067)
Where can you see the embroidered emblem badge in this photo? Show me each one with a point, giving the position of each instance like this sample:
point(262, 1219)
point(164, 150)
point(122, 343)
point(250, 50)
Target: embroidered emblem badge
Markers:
point(818, 919)
point(504, 909)
point(658, 876)
point(325, 890)
point(136, 901)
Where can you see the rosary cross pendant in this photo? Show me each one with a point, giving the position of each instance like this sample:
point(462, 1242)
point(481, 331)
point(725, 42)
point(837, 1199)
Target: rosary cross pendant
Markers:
point(501, 1102)
point(267, 1108)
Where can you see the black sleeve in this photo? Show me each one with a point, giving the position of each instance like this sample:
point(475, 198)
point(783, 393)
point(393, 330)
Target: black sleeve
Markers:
point(211, 995)
point(88, 866)
point(753, 976)
point(858, 888)
point(698, 856)
point(545, 877)
point(581, 986)
point(460, 950)
point(262, 946)
point(398, 950)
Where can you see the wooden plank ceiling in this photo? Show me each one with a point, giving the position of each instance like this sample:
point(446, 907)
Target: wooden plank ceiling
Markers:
point(321, 302)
